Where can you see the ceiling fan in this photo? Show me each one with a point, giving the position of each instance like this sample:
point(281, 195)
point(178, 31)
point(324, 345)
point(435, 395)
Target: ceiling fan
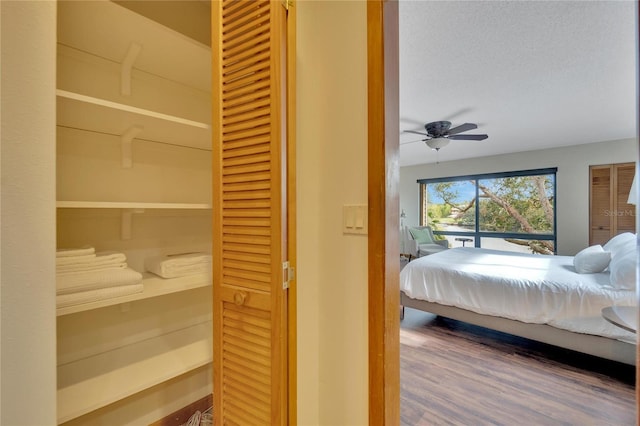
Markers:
point(440, 133)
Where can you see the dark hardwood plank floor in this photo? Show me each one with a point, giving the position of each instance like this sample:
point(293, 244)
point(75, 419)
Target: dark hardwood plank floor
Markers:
point(453, 373)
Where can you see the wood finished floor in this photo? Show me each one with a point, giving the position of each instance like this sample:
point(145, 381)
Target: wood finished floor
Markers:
point(454, 373)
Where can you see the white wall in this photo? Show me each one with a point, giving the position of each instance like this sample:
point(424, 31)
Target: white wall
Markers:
point(332, 171)
point(27, 295)
point(572, 181)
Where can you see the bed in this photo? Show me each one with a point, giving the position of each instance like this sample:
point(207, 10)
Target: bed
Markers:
point(539, 297)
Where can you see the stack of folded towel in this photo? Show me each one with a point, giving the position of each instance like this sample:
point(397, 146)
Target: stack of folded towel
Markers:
point(179, 265)
point(83, 276)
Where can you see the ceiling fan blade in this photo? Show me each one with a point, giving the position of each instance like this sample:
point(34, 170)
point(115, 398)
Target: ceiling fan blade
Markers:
point(416, 132)
point(462, 128)
point(412, 122)
point(456, 114)
point(469, 137)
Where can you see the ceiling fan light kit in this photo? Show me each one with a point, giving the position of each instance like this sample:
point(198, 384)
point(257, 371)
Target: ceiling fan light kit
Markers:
point(437, 143)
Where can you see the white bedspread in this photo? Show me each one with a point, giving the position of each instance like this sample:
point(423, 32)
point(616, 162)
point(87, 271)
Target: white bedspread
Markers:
point(529, 288)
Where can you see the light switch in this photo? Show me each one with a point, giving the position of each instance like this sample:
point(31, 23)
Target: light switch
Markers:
point(354, 219)
point(350, 218)
point(360, 216)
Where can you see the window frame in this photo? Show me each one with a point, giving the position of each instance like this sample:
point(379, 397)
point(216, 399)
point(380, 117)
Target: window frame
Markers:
point(478, 234)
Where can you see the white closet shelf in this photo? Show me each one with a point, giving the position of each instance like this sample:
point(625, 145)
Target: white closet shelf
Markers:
point(99, 115)
point(154, 286)
point(94, 382)
point(90, 26)
point(129, 205)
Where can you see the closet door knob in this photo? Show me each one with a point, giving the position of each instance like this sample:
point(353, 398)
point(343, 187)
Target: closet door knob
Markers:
point(239, 297)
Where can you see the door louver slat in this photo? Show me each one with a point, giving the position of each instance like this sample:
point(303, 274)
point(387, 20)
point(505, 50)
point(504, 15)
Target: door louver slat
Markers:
point(251, 414)
point(256, 15)
point(248, 159)
point(255, 36)
point(241, 86)
point(256, 101)
point(244, 342)
point(247, 186)
point(245, 178)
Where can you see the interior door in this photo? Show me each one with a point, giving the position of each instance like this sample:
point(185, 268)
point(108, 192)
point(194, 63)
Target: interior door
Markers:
point(250, 212)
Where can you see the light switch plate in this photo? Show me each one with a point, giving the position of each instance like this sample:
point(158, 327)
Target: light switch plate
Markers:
point(355, 219)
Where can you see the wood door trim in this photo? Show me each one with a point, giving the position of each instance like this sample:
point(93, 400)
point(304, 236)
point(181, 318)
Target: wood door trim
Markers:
point(383, 194)
point(292, 297)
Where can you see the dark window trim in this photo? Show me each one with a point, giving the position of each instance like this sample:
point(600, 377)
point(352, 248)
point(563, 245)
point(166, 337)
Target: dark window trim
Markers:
point(532, 172)
point(477, 234)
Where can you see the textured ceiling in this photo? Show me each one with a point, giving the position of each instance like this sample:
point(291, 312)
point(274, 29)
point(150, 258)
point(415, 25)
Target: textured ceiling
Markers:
point(531, 74)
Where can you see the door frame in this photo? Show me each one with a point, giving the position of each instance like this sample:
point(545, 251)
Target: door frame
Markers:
point(292, 237)
point(383, 194)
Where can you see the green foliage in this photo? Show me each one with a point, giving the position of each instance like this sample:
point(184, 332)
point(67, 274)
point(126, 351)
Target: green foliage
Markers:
point(446, 190)
point(438, 211)
point(467, 218)
point(520, 193)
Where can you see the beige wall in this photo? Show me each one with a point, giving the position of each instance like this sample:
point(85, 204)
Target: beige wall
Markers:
point(332, 171)
point(572, 181)
point(27, 288)
point(190, 17)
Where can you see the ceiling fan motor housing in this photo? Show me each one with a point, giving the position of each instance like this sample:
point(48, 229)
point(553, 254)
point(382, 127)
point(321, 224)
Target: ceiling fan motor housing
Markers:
point(437, 128)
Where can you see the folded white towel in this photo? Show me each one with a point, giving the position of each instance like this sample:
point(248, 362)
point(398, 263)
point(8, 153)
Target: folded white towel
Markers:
point(75, 251)
point(93, 280)
point(179, 265)
point(81, 269)
point(182, 271)
point(75, 260)
point(98, 258)
point(100, 262)
point(64, 300)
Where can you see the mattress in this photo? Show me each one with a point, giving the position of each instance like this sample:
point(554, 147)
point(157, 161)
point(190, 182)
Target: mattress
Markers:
point(525, 287)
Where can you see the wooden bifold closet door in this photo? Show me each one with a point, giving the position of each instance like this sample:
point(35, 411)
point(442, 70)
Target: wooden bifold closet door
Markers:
point(250, 212)
point(609, 212)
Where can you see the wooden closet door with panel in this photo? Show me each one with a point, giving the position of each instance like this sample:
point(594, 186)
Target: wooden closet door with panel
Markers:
point(251, 272)
point(609, 212)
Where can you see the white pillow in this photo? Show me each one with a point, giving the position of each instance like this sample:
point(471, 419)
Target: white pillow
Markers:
point(591, 260)
point(621, 243)
point(623, 271)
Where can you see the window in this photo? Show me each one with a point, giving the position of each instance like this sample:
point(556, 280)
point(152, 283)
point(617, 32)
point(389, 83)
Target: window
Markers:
point(512, 211)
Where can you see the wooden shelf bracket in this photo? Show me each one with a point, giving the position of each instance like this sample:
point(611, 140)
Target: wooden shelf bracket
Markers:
point(127, 67)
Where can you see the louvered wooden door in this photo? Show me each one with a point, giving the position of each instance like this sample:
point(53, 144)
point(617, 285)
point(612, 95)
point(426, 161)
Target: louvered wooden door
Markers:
point(250, 206)
point(609, 212)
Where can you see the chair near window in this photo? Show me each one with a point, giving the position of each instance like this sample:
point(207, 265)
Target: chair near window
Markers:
point(418, 241)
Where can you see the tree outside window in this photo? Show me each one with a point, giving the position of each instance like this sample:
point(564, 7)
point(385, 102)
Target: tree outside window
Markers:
point(507, 211)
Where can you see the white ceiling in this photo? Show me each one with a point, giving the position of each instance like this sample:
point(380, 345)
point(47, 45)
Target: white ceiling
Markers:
point(531, 74)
